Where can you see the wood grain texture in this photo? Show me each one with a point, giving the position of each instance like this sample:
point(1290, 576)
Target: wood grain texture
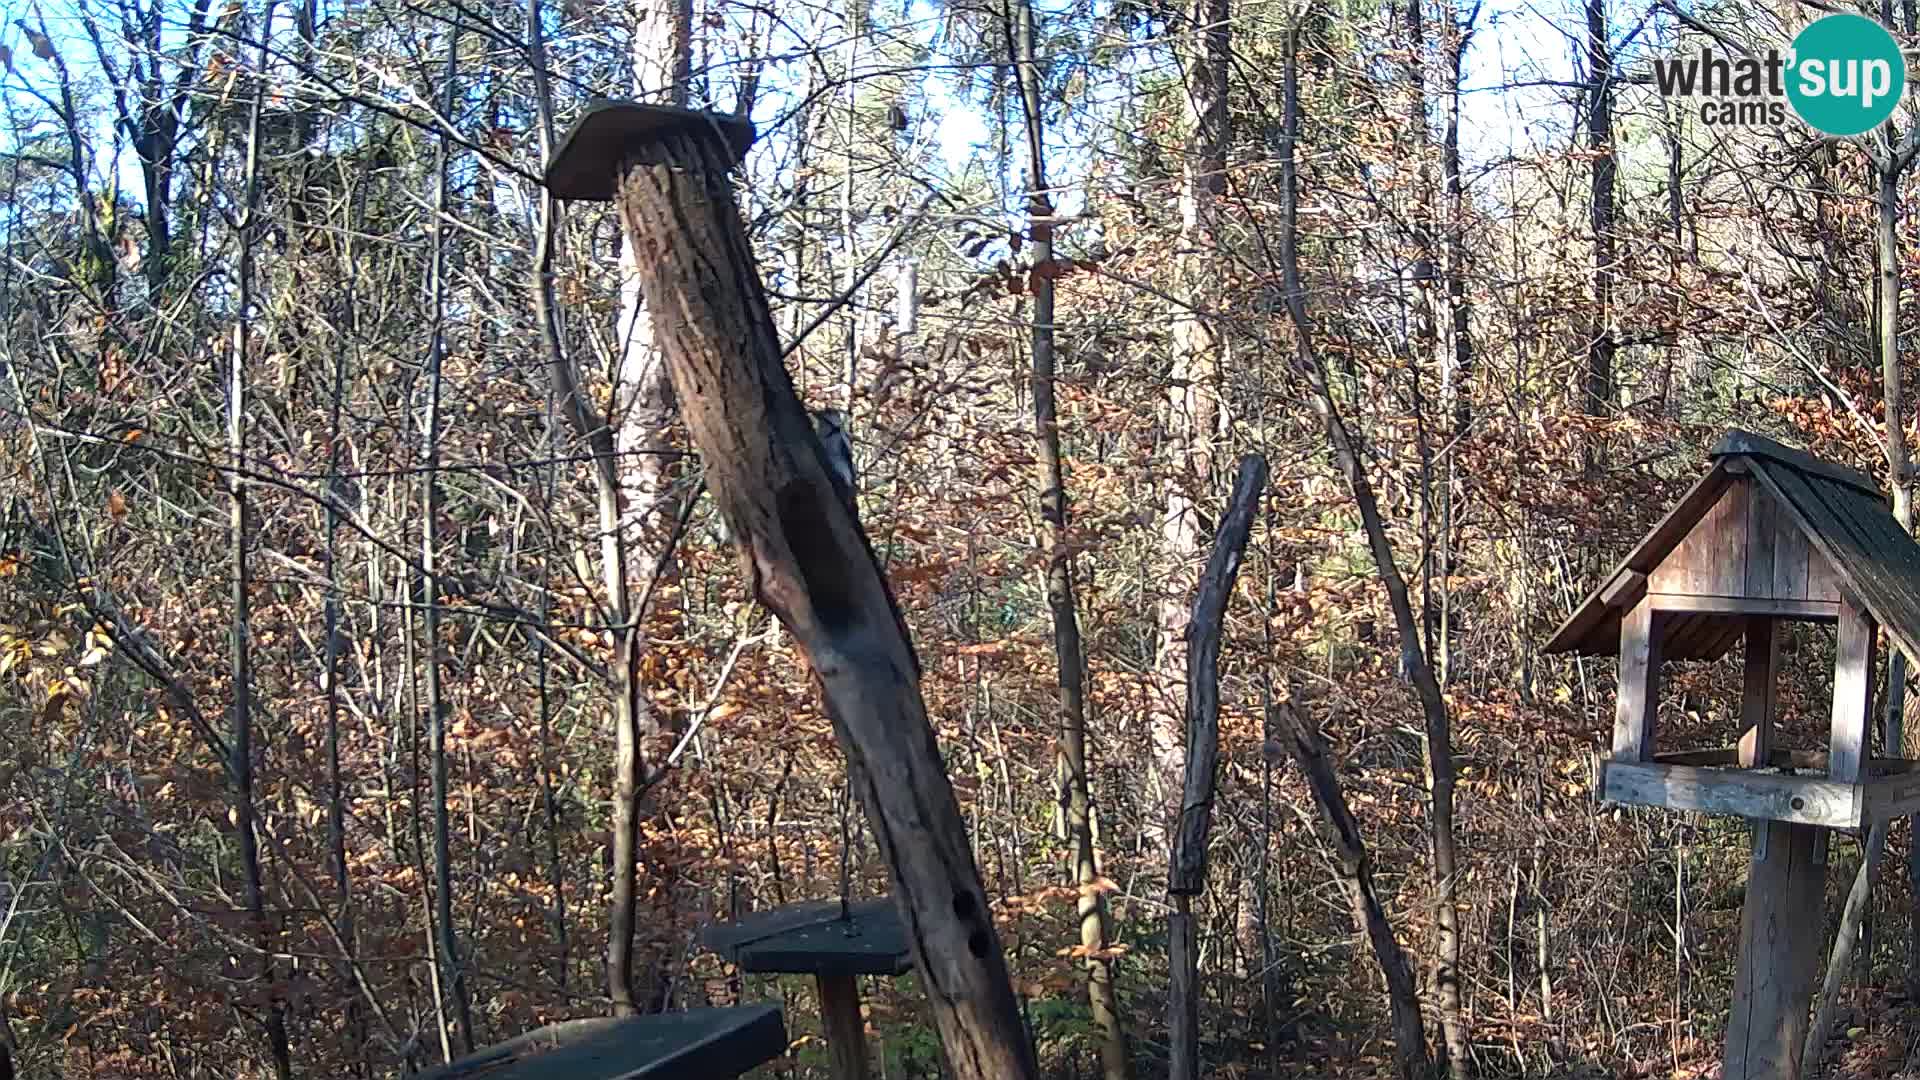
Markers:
point(1807, 800)
point(1779, 951)
point(1590, 630)
point(846, 1032)
point(1758, 691)
point(808, 561)
point(1763, 526)
point(664, 1046)
point(1638, 698)
point(1187, 872)
point(1852, 694)
point(1799, 610)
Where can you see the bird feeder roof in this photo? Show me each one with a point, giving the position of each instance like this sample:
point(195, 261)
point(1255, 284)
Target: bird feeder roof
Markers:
point(1837, 514)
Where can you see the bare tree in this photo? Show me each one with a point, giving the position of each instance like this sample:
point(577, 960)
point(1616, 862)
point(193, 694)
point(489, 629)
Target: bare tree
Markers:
point(1074, 798)
point(452, 966)
point(239, 528)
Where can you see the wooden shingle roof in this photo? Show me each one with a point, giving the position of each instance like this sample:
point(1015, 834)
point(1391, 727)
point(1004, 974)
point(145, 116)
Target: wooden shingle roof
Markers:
point(1841, 512)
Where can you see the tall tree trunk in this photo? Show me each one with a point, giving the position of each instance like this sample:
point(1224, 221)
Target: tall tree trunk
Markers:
point(1887, 169)
point(1457, 367)
point(1193, 399)
point(265, 978)
point(1075, 797)
point(452, 965)
point(1347, 452)
point(339, 497)
point(547, 314)
point(642, 416)
point(1601, 391)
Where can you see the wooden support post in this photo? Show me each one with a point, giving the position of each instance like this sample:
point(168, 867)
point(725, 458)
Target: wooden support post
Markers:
point(846, 1032)
point(1639, 697)
point(1852, 692)
point(1757, 696)
point(1779, 951)
point(799, 543)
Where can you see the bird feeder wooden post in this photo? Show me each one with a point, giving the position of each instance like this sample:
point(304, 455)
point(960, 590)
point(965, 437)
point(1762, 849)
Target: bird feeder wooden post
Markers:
point(798, 542)
point(1769, 535)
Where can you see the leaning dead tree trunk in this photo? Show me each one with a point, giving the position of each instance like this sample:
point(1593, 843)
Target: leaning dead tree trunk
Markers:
point(1408, 1034)
point(1187, 872)
point(799, 542)
point(1355, 869)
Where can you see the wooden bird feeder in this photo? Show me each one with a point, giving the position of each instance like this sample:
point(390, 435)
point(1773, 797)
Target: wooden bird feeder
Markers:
point(666, 1046)
point(1770, 534)
point(833, 944)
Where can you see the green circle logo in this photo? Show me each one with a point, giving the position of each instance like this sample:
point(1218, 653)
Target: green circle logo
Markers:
point(1845, 74)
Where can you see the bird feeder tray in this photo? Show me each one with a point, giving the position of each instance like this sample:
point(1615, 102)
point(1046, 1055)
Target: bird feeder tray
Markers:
point(813, 939)
point(587, 165)
point(664, 1046)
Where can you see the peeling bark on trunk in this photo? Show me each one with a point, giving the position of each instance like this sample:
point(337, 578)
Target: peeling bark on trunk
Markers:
point(629, 501)
point(812, 566)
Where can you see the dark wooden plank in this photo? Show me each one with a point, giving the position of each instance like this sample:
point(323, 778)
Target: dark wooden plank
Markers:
point(1677, 634)
point(846, 1032)
point(1763, 522)
point(1862, 546)
point(665, 1046)
point(1823, 581)
point(1626, 587)
point(1758, 691)
point(1746, 442)
point(1732, 632)
point(1892, 558)
point(1799, 610)
point(812, 939)
point(1722, 536)
point(1779, 947)
point(1703, 561)
point(1790, 554)
point(586, 165)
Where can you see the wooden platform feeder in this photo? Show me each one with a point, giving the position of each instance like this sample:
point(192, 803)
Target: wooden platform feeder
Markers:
point(1769, 535)
point(715, 1043)
point(835, 946)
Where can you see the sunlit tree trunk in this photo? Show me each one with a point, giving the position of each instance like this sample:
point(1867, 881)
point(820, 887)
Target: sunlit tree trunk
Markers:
point(642, 417)
point(1075, 797)
point(1193, 394)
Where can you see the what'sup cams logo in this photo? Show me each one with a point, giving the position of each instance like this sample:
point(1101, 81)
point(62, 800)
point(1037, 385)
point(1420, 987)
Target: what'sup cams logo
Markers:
point(1842, 75)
